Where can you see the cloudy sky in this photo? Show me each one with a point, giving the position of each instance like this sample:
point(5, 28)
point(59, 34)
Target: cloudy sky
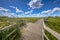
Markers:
point(29, 8)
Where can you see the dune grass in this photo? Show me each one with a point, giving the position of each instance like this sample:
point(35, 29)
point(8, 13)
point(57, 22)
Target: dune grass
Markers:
point(53, 23)
point(4, 21)
point(3, 24)
point(49, 35)
point(30, 19)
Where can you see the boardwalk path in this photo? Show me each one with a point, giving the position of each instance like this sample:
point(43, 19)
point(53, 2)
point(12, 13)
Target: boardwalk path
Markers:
point(33, 31)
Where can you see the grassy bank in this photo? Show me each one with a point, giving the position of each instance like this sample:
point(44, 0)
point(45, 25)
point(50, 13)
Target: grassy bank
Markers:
point(50, 36)
point(4, 22)
point(30, 19)
point(53, 23)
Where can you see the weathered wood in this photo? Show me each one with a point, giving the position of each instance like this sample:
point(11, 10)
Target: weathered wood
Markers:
point(10, 33)
point(46, 36)
point(8, 27)
point(13, 37)
point(54, 33)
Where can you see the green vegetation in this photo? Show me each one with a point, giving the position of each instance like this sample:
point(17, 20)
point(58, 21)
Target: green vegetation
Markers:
point(45, 38)
point(53, 23)
point(50, 36)
point(3, 24)
point(8, 31)
point(3, 34)
point(30, 19)
point(5, 21)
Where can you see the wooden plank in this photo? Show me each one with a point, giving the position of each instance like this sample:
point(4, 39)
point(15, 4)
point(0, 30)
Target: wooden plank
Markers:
point(8, 27)
point(13, 37)
point(54, 33)
point(10, 33)
point(46, 36)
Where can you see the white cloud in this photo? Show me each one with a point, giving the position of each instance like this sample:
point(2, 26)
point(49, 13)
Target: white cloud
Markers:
point(51, 11)
point(56, 1)
point(17, 10)
point(5, 12)
point(35, 4)
point(56, 9)
point(1, 9)
point(29, 12)
point(46, 12)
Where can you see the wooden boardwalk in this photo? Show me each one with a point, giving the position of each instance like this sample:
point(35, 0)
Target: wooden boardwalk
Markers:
point(32, 31)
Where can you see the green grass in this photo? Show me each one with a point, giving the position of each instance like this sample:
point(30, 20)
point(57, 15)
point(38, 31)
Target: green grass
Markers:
point(45, 38)
point(50, 36)
point(4, 24)
point(30, 19)
point(18, 33)
point(19, 23)
point(53, 23)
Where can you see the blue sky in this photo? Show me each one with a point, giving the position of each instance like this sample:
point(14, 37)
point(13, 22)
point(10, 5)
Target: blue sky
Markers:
point(29, 8)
